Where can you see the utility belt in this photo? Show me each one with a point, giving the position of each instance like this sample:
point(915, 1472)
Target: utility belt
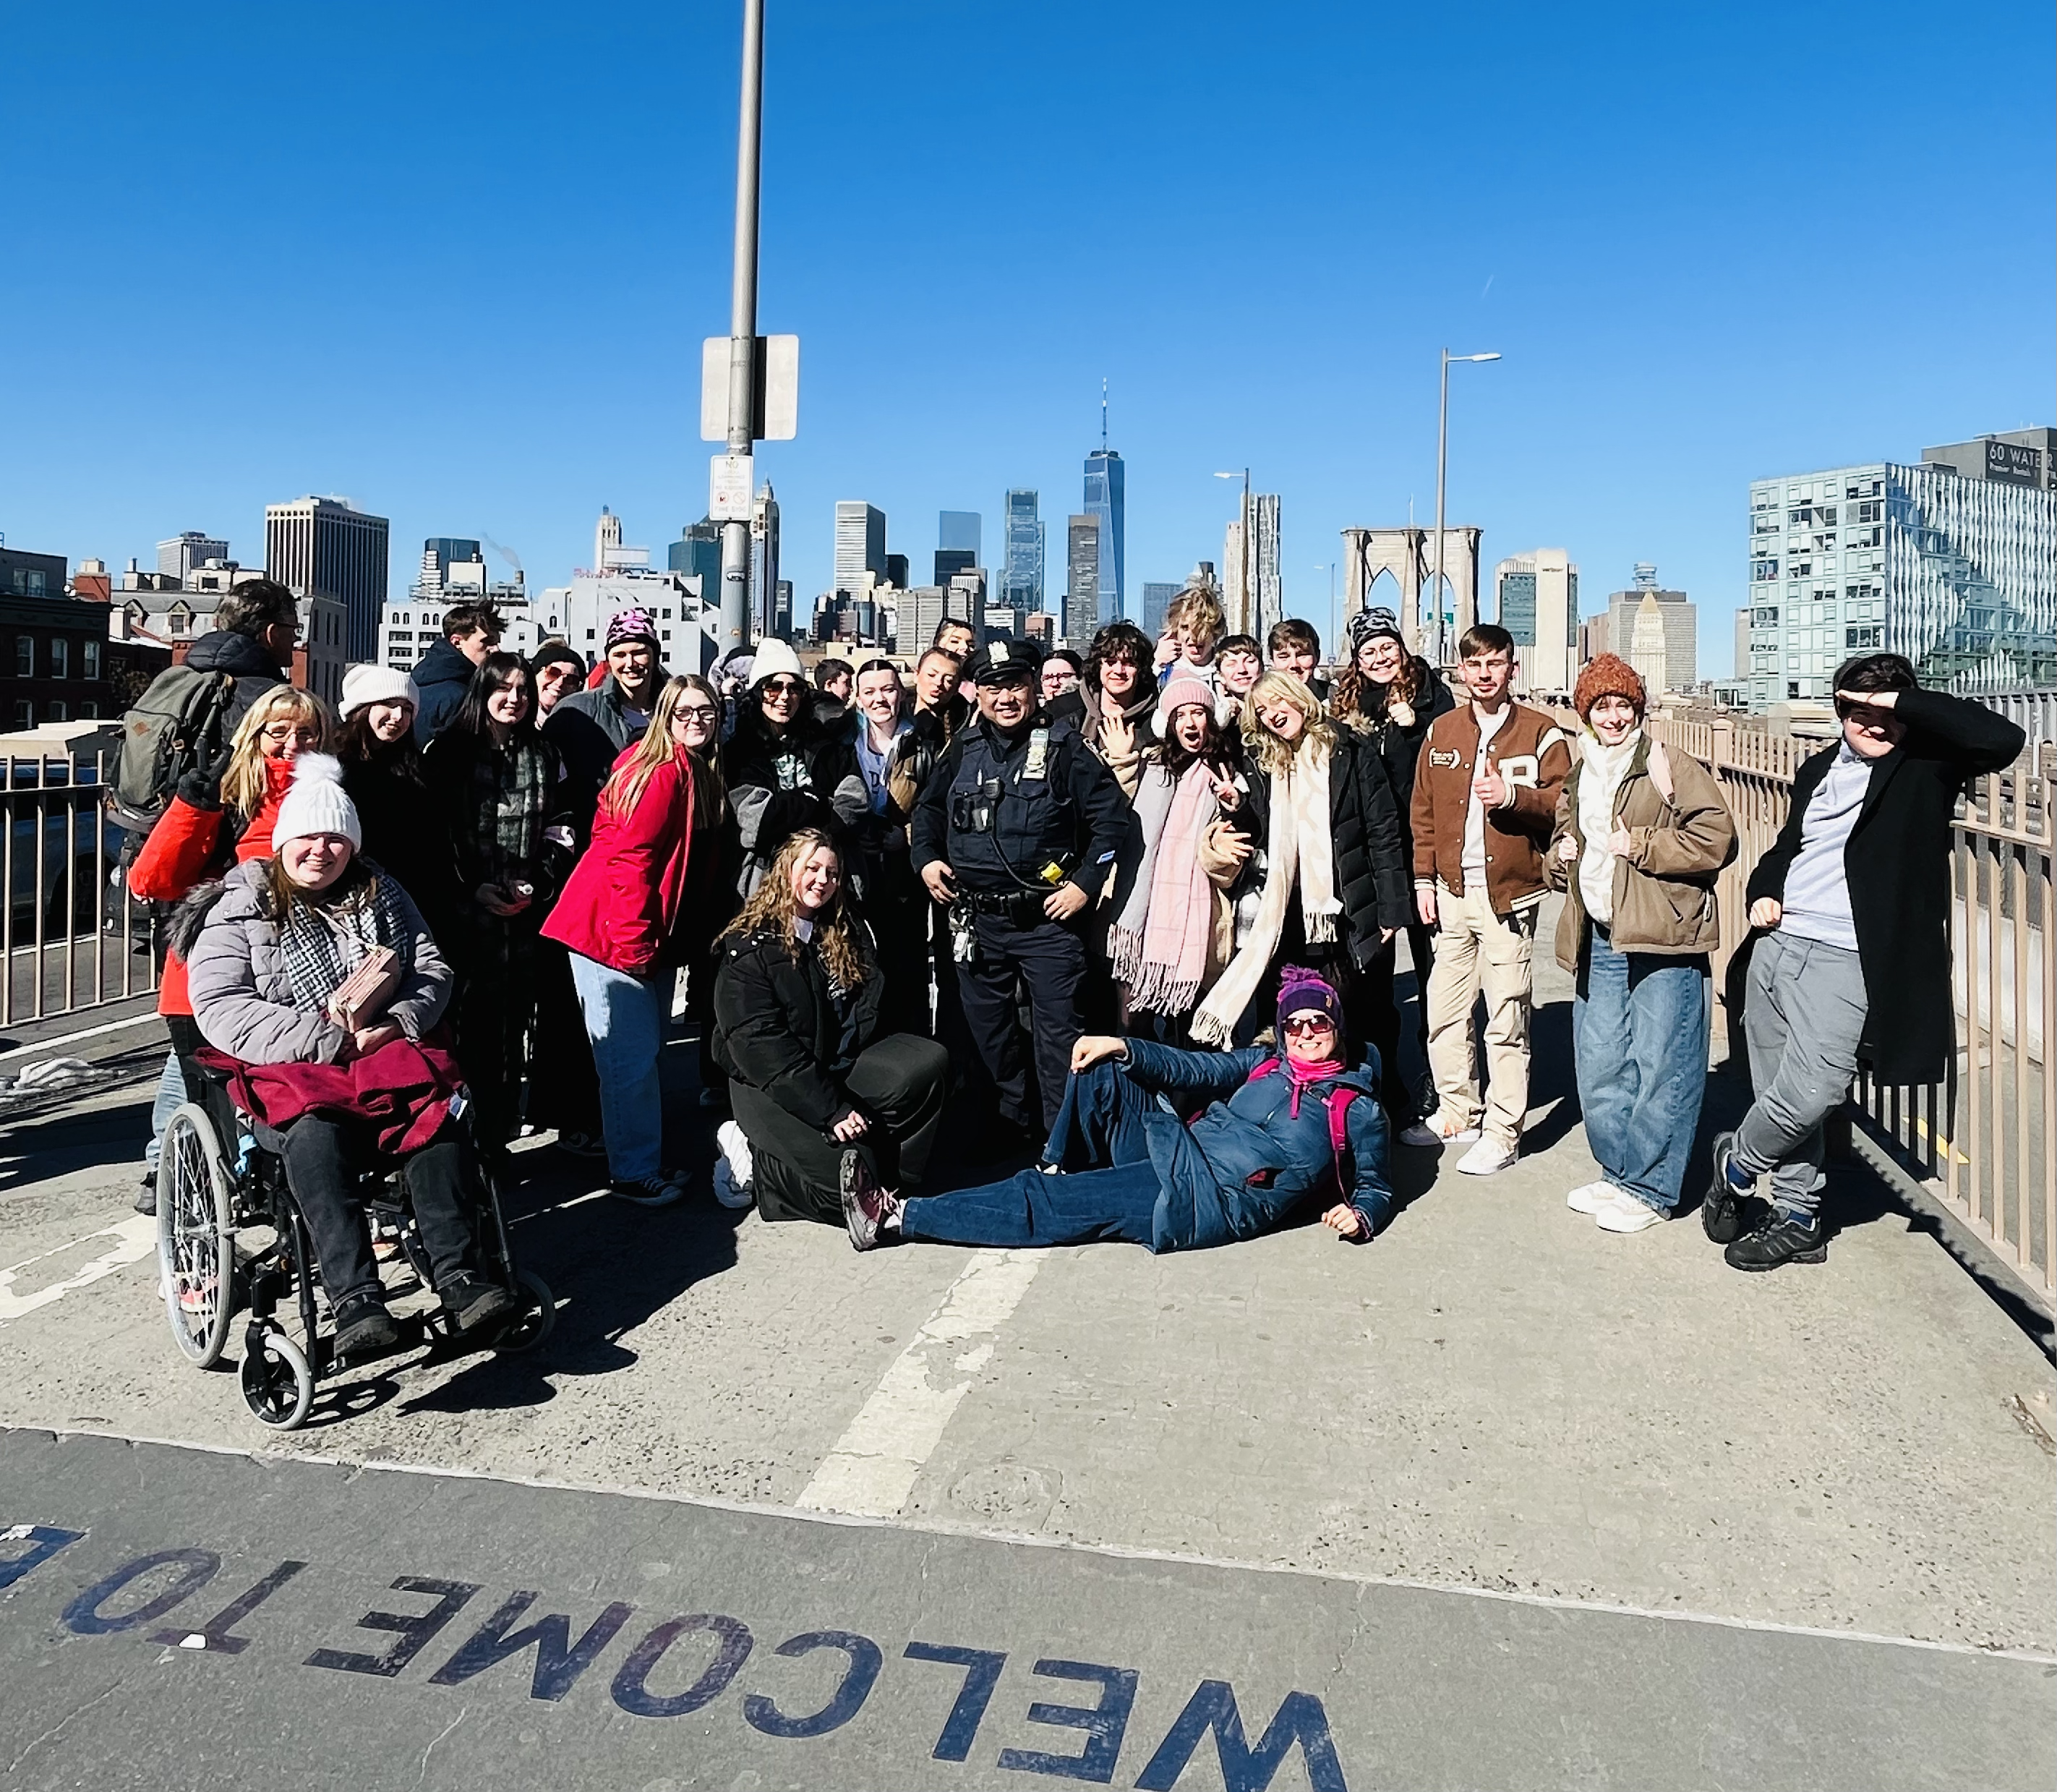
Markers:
point(1022, 906)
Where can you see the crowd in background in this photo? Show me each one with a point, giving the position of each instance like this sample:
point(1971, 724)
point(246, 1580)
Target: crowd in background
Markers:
point(1054, 898)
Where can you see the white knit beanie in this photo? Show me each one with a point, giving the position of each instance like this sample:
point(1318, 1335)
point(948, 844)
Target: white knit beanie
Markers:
point(369, 684)
point(316, 803)
point(774, 658)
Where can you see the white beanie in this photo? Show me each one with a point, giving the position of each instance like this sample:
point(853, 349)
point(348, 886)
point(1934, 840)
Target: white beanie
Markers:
point(774, 658)
point(316, 803)
point(369, 684)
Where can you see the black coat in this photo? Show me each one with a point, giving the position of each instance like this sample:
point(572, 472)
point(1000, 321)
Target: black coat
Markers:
point(590, 730)
point(407, 833)
point(1372, 878)
point(1399, 749)
point(442, 678)
point(776, 1026)
point(1897, 863)
point(252, 671)
point(831, 796)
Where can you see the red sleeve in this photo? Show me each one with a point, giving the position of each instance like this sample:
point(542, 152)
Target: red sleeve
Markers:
point(644, 843)
point(175, 856)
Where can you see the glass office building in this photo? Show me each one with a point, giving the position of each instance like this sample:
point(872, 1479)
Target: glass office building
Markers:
point(1104, 503)
point(1951, 562)
point(1021, 573)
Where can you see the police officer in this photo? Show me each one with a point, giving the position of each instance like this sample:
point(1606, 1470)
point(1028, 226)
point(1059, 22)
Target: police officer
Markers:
point(1015, 830)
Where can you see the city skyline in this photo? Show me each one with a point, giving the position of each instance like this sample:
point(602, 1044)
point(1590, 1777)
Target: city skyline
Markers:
point(1631, 295)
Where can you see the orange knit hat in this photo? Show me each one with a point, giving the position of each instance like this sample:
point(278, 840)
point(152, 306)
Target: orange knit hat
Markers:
point(1608, 675)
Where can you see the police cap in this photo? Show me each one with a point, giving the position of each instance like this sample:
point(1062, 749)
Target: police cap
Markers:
point(1005, 662)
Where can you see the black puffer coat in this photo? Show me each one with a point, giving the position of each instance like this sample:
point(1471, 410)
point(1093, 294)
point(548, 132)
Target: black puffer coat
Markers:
point(1399, 748)
point(1371, 867)
point(770, 808)
point(779, 1027)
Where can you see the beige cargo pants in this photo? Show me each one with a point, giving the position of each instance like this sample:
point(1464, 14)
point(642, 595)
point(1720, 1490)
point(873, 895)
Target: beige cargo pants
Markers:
point(1477, 950)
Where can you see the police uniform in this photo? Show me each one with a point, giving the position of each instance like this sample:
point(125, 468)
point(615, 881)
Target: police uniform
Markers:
point(1014, 819)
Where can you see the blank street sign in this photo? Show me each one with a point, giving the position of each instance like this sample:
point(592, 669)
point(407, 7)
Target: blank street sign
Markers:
point(777, 406)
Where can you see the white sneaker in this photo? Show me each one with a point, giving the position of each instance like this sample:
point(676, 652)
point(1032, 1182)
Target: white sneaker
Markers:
point(1425, 1133)
point(736, 1148)
point(1626, 1214)
point(725, 1190)
point(1590, 1197)
point(1486, 1158)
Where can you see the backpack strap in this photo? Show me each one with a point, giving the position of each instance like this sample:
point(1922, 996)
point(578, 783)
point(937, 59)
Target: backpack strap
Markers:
point(1340, 1098)
point(1263, 1069)
point(1658, 765)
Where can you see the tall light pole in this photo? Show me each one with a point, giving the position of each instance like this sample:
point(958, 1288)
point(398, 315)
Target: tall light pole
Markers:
point(1335, 627)
point(1240, 624)
point(1442, 462)
point(742, 323)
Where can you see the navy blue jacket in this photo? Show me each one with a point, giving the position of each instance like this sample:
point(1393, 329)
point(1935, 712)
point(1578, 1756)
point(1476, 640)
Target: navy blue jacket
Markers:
point(442, 678)
point(1249, 1164)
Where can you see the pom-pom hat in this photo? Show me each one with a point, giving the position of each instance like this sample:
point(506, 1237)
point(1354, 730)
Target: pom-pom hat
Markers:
point(316, 803)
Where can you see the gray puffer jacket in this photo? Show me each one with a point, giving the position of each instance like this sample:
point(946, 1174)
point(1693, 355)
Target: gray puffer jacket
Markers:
point(242, 997)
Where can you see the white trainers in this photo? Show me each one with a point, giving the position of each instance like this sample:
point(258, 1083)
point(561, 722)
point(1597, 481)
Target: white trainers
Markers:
point(1486, 1158)
point(736, 1148)
point(1626, 1214)
point(1425, 1133)
point(1590, 1197)
point(725, 1190)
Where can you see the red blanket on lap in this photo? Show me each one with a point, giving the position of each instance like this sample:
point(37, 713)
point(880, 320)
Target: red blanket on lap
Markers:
point(403, 1090)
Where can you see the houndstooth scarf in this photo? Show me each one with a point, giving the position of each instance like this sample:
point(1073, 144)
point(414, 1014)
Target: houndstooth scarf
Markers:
point(322, 943)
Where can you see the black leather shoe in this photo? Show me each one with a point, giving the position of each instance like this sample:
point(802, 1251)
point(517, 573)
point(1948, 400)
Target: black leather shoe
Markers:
point(1783, 1238)
point(364, 1328)
point(1721, 1207)
point(476, 1305)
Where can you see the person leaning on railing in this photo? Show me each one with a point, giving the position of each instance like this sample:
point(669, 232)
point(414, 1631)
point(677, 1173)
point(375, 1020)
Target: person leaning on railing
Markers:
point(1850, 913)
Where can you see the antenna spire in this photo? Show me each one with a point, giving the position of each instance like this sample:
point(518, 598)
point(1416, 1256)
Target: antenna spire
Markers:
point(1102, 416)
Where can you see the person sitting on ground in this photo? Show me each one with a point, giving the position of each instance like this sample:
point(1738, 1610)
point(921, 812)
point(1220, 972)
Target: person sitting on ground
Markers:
point(1851, 964)
point(267, 949)
point(1284, 1136)
point(1642, 834)
point(443, 677)
point(796, 1003)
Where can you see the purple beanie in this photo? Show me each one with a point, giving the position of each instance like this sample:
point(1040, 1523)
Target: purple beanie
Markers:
point(1301, 990)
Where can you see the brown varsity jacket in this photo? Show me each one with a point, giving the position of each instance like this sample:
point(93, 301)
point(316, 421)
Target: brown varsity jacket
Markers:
point(1532, 756)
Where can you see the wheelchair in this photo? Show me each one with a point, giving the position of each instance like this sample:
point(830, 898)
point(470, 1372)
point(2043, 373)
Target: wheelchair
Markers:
point(214, 1180)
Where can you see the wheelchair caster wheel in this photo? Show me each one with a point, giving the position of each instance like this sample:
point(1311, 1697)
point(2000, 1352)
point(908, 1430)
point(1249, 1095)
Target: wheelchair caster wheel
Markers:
point(277, 1386)
point(526, 1333)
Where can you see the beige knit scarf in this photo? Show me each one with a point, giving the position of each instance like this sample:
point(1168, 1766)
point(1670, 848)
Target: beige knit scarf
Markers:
point(1299, 850)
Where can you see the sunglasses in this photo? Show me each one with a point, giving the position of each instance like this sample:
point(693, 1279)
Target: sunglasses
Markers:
point(784, 687)
point(1309, 1023)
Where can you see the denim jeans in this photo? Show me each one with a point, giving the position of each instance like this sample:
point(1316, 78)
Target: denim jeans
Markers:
point(1804, 1019)
point(1084, 1206)
point(171, 1097)
point(624, 1019)
point(1099, 1121)
point(1640, 1038)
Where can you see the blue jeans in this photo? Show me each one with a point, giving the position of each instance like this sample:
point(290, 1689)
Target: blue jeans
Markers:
point(1099, 1121)
point(1082, 1206)
point(171, 1097)
point(1639, 1037)
point(624, 1019)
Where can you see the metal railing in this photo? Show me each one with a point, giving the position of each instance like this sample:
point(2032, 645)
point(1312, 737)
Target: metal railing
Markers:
point(72, 937)
point(1980, 1140)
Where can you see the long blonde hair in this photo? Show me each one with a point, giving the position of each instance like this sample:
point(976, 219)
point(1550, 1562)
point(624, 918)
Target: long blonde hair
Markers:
point(243, 784)
point(1272, 753)
point(627, 782)
point(772, 905)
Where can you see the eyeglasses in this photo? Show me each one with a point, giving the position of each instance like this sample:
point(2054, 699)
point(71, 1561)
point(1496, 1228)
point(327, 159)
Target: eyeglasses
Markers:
point(279, 733)
point(693, 712)
point(784, 687)
point(1309, 1023)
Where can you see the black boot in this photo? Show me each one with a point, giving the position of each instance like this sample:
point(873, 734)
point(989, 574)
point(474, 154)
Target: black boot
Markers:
point(1783, 1238)
point(478, 1306)
point(364, 1328)
point(1722, 1207)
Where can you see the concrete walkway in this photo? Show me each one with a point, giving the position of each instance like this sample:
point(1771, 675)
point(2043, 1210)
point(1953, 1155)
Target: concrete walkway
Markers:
point(1496, 1395)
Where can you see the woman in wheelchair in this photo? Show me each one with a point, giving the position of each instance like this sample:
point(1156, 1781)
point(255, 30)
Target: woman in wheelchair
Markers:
point(273, 947)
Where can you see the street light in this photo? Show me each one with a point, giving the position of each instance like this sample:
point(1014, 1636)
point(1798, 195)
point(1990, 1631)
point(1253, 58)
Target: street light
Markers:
point(1240, 623)
point(1335, 626)
point(735, 627)
point(1442, 461)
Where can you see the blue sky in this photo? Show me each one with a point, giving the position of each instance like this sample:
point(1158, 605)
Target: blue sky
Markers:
point(455, 262)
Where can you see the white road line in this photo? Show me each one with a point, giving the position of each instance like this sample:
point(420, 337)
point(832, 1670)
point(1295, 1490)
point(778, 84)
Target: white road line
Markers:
point(875, 1463)
point(47, 1046)
point(134, 1239)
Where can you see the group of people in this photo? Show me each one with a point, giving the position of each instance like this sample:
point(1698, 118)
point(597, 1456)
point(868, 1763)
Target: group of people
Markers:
point(1132, 916)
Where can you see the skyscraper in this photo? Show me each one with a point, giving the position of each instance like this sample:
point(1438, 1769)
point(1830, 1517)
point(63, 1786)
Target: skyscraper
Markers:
point(1617, 630)
point(1539, 606)
point(606, 537)
point(958, 531)
point(1021, 578)
point(1269, 606)
point(764, 580)
point(1951, 562)
point(1156, 599)
point(177, 557)
point(326, 548)
point(1105, 504)
point(697, 553)
point(1082, 606)
point(860, 545)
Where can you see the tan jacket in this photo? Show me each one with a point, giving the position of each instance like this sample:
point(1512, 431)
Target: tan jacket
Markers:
point(1680, 835)
point(1531, 756)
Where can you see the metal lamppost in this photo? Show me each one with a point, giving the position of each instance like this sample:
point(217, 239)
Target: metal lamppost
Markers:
point(1335, 624)
point(743, 321)
point(1442, 462)
point(1249, 550)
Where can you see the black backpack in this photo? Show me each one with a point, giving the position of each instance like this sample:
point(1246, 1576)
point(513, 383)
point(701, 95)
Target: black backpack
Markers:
point(181, 723)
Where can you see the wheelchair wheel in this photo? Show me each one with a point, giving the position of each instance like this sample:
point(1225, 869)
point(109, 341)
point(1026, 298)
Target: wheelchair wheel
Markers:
point(277, 1386)
point(533, 1327)
point(196, 1235)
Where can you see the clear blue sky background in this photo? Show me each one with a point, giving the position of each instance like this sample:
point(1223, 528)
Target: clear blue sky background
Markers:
point(455, 262)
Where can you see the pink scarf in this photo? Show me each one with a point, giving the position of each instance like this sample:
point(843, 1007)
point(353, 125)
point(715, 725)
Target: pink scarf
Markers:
point(1159, 943)
point(1300, 1076)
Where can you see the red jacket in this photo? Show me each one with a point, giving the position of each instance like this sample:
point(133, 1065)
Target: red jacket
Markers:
point(625, 895)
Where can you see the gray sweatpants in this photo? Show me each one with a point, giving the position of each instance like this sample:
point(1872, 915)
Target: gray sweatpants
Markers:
point(1803, 1018)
